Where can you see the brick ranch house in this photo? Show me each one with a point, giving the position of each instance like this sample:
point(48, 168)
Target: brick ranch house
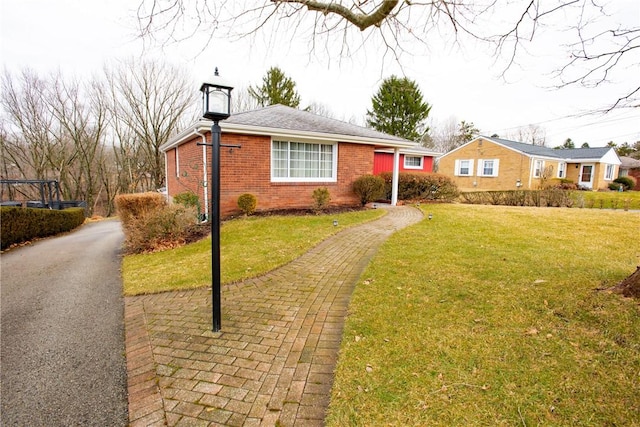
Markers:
point(285, 155)
point(488, 163)
point(631, 167)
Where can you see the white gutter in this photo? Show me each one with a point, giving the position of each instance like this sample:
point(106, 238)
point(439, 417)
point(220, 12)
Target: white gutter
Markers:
point(205, 176)
point(394, 179)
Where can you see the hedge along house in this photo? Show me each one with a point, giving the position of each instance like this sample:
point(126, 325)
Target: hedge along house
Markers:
point(499, 164)
point(285, 155)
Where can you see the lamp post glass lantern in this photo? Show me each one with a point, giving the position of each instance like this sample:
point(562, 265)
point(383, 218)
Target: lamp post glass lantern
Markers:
point(216, 99)
point(216, 104)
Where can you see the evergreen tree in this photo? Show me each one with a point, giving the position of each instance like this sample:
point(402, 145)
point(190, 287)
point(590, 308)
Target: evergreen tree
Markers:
point(467, 131)
point(276, 88)
point(398, 109)
point(568, 144)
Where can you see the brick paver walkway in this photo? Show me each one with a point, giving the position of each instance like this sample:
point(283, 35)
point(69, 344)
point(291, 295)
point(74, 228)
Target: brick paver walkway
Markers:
point(273, 362)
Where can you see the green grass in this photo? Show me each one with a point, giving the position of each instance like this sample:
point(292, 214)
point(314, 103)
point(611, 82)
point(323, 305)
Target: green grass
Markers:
point(607, 199)
point(248, 247)
point(489, 315)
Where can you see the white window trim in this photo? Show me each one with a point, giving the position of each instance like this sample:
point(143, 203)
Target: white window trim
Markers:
point(562, 167)
point(496, 166)
point(412, 166)
point(334, 166)
point(540, 171)
point(457, 167)
point(607, 168)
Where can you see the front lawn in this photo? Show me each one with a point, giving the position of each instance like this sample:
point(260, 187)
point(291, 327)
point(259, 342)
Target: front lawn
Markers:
point(248, 247)
point(490, 315)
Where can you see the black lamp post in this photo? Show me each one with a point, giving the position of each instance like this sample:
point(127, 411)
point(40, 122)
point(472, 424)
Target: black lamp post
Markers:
point(216, 105)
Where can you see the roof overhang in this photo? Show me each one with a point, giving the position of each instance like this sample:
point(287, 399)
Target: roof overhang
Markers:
point(202, 126)
point(414, 151)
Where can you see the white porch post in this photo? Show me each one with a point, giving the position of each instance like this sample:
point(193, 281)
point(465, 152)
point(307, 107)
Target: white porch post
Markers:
point(394, 179)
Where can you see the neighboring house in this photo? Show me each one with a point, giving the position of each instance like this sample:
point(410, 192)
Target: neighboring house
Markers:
point(285, 155)
point(498, 164)
point(418, 159)
point(630, 167)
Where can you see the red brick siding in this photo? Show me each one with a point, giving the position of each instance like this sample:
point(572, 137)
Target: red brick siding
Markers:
point(635, 172)
point(248, 170)
point(188, 177)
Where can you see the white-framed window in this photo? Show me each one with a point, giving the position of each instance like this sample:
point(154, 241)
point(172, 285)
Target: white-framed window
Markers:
point(488, 167)
point(562, 170)
point(413, 162)
point(538, 168)
point(464, 167)
point(608, 172)
point(293, 161)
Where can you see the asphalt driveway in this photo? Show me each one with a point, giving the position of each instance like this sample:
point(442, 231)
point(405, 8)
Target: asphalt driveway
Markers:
point(62, 337)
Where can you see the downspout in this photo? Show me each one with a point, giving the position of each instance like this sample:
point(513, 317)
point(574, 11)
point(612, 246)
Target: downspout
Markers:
point(166, 175)
point(532, 163)
point(205, 182)
point(394, 179)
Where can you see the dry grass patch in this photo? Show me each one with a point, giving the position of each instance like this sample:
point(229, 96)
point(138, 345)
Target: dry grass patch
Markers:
point(489, 315)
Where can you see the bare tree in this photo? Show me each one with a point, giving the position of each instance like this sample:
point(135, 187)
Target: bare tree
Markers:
point(242, 101)
point(54, 130)
point(320, 109)
point(532, 134)
point(450, 134)
point(77, 151)
point(149, 102)
point(27, 138)
point(594, 53)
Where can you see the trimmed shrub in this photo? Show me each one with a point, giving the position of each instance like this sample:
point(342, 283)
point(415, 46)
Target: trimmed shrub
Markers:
point(552, 196)
point(627, 182)
point(187, 199)
point(131, 206)
point(421, 186)
point(151, 224)
point(247, 203)
point(615, 186)
point(164, 228)
point(22, 224)
point(368, 188)
point(321, 198)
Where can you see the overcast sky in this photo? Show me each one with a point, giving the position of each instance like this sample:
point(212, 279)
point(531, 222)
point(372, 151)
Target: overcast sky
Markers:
point(78, 37)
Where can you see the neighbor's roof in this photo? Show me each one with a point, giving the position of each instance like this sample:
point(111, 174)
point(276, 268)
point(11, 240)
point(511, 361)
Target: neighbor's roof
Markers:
point(286, 122)
point(629, 163)
point(569, 154)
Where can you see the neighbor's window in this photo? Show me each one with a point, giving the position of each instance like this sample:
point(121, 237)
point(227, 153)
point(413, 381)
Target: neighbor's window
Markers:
point(303, 162)
point(538, 168)
point(488, 167)
point(464, 167)
point(608, 172)
point(562, 170)
point(413, 162)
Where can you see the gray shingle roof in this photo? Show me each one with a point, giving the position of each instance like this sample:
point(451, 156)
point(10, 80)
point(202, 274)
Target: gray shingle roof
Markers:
point(536, 150)
point(282, 117)
point(629, 162)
